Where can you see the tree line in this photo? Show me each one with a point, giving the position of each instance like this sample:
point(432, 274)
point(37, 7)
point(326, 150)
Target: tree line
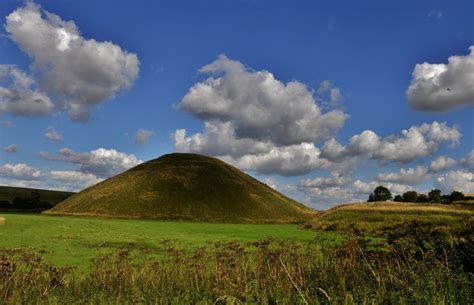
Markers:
point(381, 193)
point(33, 202)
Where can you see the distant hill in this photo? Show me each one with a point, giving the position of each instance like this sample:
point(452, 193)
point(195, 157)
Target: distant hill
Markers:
point(185, 187)
point(9, 193)
point(382, 218)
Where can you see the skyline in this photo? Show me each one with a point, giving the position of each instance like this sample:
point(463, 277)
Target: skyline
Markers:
point(321, 101)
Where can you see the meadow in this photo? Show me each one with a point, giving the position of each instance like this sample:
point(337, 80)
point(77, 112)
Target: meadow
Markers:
point(357, 254)
point(76, 240)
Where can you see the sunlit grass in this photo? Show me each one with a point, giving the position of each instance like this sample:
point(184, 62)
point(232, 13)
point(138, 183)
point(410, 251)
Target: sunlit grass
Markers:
point(76, 240)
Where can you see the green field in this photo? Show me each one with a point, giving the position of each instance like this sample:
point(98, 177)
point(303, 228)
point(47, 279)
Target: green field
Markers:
point(378, 253)
point(75, 240)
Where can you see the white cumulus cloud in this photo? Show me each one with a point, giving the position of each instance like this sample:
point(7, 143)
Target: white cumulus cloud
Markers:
point(441, 163)
point(80, 73)
point(409, 176)
point(101, 162)
point(415, 142)
point(442, 87)
point(18, 95)
point(468, 160)
point(259, 106)
point(20, 171)
point(459, 180)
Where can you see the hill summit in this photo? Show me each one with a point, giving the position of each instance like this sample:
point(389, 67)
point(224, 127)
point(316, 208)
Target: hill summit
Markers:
point(185, 187)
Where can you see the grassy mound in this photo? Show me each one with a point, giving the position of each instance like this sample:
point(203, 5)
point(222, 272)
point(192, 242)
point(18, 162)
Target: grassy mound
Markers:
point(185, 187)
point(380, 218)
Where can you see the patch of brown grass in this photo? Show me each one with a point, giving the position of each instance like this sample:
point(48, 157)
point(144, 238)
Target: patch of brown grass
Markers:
point(2, 220)
point(406, 207)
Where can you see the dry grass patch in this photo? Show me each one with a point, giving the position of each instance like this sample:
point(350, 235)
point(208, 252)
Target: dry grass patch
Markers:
point(382, 218)
point(392, 206)
point(2, 220)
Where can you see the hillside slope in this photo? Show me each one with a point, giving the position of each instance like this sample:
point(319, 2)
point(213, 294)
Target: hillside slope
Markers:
point(386, 217)
point(8, 193)
point(187, 187)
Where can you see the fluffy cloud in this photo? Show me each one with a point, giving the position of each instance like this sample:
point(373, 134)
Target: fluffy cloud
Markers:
point(20, 171)
point(320, 182)
point(442, 87)
point(366, 142)
point(219, 139)
point(409, 176)
point(459, 180)
point(100, 162)
point(441, 163)
point(142, 136)
point(79, 72)
point(74, 180)
point(12, 148)
point(53, 135)
point(415, 142)
point(257, 122)
point(18, 95)
point(327, 197)
point(468, 160)
point(365, 188)
point(258, 106)
point(23, 175)
point(290, 160)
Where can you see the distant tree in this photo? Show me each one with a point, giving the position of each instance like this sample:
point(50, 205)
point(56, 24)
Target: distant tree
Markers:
point(398, 198)
point(422, 198)
point(381, 193)
point(445, 199)
point(456, 196)
point(435, 195)
point(410, 196)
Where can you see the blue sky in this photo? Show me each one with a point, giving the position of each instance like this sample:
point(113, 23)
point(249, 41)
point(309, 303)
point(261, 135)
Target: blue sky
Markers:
point(352, 60)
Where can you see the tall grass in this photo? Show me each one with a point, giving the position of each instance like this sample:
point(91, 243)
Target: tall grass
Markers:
point(406, 271)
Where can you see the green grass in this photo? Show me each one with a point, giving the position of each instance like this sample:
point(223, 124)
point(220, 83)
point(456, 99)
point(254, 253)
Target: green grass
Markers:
point(124, 261)
point(76, 240)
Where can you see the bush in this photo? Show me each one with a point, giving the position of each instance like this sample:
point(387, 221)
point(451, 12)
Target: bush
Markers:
point(410, 196)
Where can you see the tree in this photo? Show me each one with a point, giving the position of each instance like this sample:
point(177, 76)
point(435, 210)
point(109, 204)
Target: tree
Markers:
point(381, 193)
point(398, 198)
point(423, 198)
point(410, 196)
point(445, 199)
point(435, 195)
point(456, 196)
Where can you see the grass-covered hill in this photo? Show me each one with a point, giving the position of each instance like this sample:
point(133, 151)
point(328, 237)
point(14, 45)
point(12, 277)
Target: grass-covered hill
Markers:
point(185, 187)
point(384, 218)
point(9, 193)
